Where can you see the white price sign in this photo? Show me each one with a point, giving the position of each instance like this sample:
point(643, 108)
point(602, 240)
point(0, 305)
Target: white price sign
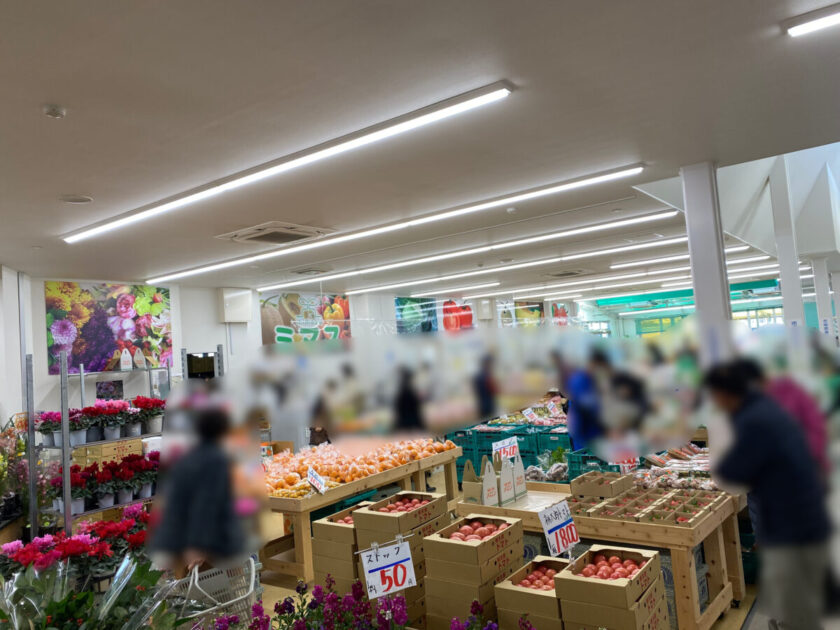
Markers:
point(559, 528)
point(553, 409)
point(316, 480)
point(530, 414)
point(388, 569)
point(506, 448)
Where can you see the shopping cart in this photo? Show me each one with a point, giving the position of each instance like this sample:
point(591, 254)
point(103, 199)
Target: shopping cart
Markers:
point(214, 592)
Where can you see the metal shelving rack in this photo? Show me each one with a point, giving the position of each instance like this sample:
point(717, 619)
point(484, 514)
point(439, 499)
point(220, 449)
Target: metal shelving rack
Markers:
point(32, 451)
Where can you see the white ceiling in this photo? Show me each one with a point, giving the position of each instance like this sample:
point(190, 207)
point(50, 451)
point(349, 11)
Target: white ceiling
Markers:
point(162, 97)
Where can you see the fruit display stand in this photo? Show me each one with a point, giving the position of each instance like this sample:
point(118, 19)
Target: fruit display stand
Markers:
point(299, 510)
point(716, 528)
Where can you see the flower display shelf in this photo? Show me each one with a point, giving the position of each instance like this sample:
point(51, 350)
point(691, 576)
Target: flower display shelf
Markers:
point(717, 532)
point(299, 510)
point(100, 442)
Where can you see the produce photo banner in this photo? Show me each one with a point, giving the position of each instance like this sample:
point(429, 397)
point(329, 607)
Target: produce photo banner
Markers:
point(303, 317)
point(95, 322)
point(416, 315)
point(455, 314)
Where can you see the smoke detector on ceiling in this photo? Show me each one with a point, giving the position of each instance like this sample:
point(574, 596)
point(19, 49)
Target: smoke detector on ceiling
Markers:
point(276, 233)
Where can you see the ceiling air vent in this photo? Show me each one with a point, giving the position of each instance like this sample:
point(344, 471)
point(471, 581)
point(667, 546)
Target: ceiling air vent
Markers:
point(275, 233)
point(569, 273)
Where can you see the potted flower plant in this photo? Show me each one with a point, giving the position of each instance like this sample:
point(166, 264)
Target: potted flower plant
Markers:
point(145, 472)
point(110, 415)
point(78, 427)
point(152, 412)
point(48, 423)
point(105, 487)
point(132, 423)
point(126, 484)
point(94, 422)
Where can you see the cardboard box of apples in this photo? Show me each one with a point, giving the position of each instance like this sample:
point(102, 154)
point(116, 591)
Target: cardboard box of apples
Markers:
point(401, 512)
point(531, 589)
point(462, 542)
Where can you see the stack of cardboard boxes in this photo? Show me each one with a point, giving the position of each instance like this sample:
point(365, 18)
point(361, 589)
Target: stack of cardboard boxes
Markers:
point(373, 525)
point(460, 572)
point(541, 606)
point(636, 603)
point(111, 451)
point(334, 549)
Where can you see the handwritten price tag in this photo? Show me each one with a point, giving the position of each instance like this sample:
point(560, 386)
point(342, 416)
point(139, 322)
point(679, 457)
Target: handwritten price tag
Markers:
point(559, 528)
point(316, 480)
point(388, 569)
point(530, 414)
point(554, 410)
point(506, 448)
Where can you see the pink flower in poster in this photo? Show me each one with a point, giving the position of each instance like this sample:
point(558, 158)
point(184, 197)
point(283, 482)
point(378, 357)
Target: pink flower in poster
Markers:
point(143, 325)
point(63, 332)
point(125, 306)
point(122, 328)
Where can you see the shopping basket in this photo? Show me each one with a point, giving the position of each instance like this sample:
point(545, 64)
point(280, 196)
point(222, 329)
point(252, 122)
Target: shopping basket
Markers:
point(216, 591)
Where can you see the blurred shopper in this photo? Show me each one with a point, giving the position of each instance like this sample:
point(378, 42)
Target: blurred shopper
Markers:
point(322, 421)
point(799, 405)
point(771, 458)
point(407, 403)
point(198, 523)
point(582, 390)
point(485, 388)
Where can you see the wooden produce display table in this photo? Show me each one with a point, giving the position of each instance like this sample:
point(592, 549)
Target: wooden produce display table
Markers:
point(299, 510)
point(718, 532)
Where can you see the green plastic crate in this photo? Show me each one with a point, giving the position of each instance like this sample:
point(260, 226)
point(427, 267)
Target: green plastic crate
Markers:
point(581, 461)
point(484, 439)
point(552, 441)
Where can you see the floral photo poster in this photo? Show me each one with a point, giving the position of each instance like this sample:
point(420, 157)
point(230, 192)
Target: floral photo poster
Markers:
point(94, 322)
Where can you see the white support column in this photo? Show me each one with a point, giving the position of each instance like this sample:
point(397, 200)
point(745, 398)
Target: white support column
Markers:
point(708, 263)
point(783, 227)
point(835, 285)
point(823, 291)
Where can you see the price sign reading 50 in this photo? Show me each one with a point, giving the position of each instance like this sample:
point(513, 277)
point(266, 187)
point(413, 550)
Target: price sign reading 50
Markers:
point(388, 569)
point(559, 528)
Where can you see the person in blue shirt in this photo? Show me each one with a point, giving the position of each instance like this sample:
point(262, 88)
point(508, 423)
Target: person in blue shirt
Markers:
point(771, 459)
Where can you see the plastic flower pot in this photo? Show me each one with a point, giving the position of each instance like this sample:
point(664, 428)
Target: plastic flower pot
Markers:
point(154, 424)
point(126, 495)
point(94, 434)
point(57, 439)
point(145, 491)
point(77, 438)
point(47, 439)
point(77, 506)
point(112, 433)
point(135, 429)
point(106, 500)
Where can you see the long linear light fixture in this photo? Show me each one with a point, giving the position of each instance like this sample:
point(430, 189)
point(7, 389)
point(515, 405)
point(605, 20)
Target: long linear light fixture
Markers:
point(658, 216)
point(376, 133)
point(677, 308)
point(813, 21)
point(676, 257)
point(525, 265)
point(440, 216)
point(455, 290)
point(521, 293)
point(773, 270)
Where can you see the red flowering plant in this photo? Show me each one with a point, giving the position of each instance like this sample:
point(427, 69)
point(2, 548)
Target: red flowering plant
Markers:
point(79, 487)
point(150, 407)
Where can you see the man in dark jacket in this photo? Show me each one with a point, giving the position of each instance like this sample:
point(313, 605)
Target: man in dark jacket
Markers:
point(771, 458)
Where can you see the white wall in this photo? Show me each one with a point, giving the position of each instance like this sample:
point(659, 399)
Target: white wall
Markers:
point(10, 369)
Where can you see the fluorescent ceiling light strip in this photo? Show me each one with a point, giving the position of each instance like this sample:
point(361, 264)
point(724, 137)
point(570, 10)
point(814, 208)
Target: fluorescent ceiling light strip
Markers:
point(615, 295)
point(477, 250)
point(534, 194)
point(674, 258)
point(564, 296)
point(627, 248)
point(399, 226)
point(455, 290)
point(692, 305)
point(814, 21)
point(420, 118)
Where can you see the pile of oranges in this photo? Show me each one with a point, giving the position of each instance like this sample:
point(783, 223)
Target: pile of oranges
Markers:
point(286, 470)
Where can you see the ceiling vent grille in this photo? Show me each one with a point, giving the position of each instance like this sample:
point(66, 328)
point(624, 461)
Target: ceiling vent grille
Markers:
point(275, 233)
point(569, 273)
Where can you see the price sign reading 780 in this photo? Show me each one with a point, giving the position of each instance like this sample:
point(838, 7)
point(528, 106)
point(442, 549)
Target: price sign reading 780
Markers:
point(559, 528)
point(388, 569)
